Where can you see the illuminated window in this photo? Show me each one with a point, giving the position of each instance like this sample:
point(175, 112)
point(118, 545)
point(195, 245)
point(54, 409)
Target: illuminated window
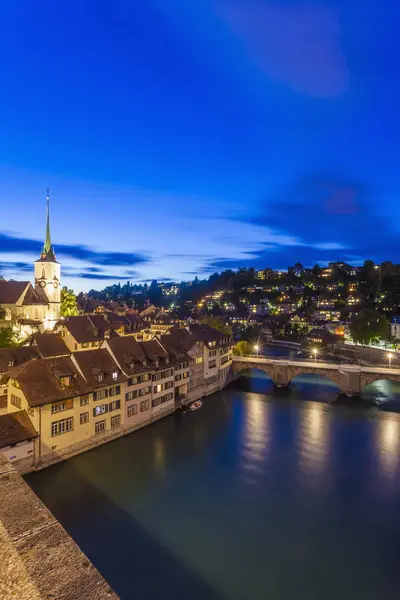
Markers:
point(199, 360)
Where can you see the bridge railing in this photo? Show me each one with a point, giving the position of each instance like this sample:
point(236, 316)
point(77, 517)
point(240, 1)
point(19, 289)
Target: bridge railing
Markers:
point(349, 368)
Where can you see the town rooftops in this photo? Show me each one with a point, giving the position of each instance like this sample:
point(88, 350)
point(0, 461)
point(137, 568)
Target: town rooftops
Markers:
point(129, 354)
point(50, 344)
point(13, 357)
point(11, 291)
point(16, 427)
point(98, 368)
point(206, 334)
point(48, 380)
point(178, 340)
point(87, 328)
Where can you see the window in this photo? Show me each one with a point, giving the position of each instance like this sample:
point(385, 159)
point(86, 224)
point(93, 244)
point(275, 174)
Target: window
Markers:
point(213, 353)
point(199, 360)
point(145, 377)
point(63, 426)
point(212, 364)
point(100, 395)
point(144, 405)
point(100, 426)
point(100, 377)
point(85, 400)
point(132, 410)
point(158, 388)
point(131, 395)
point(10, 363)
point(169, 384)
point(100, 410)
point(115, 374)
point(114, 391)
point(16, 401)
point(66, 381)
point(178, 377)
point(114, 405)
point(84, 417)
point(116, 421)
point(132, 381)
point(185, 375)
point(85, 345)
point(60, 406)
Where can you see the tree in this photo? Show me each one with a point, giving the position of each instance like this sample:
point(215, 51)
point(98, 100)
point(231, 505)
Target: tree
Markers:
point(7, 337)
point(242, 349)
point(217, 324)
point(369, 325)
point(69, 307)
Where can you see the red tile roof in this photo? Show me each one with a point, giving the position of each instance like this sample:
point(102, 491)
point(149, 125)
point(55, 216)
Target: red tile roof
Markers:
point(16, 427)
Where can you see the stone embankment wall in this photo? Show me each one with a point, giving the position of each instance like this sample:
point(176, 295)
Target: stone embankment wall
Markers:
point(38, 559)
point(362, 355)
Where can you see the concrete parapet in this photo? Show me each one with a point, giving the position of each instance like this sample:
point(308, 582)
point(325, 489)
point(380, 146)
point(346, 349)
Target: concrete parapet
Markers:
point(38, 559)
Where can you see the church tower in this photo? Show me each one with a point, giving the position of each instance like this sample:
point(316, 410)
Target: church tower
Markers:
point(47, 275)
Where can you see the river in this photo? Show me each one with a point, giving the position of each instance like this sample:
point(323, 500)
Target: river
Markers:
point(260, 494)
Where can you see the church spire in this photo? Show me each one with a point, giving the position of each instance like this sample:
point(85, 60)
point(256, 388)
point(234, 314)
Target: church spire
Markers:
point(47, 249)
point(47, 244)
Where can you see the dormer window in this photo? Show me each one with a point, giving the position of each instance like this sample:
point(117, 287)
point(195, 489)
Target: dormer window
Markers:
point(166, 360)
point(10, 363)
point(115, 374)
point(132, 365)
point(156, 362)
point(100, 377)
point(144, 363)
point(65, 381)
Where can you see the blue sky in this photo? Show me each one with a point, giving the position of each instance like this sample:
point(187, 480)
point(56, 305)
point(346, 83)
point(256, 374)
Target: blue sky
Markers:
point(183, 137)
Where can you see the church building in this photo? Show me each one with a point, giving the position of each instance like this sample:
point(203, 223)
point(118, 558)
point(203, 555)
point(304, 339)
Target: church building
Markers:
point(29, 309)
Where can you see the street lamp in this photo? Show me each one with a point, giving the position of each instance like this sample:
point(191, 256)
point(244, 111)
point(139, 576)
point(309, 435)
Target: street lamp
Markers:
point(389, 356)
point(257, 348)
point(315, 352)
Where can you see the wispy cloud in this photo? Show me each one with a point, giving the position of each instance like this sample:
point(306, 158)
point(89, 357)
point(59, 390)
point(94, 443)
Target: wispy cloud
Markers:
point(296, 43)
point(13, 244)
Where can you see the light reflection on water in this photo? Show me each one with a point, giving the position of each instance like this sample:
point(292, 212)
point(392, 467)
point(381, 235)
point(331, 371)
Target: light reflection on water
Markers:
point(262, 493)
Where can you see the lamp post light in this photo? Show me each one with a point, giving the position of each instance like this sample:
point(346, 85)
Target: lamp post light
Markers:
point(257, 348)
point(315, 352)
point(389, 356)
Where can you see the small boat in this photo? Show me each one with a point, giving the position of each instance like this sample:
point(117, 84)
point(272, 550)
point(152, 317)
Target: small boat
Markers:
point(196, 405)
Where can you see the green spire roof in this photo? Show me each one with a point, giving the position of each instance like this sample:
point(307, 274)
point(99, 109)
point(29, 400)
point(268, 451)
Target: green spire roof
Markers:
point(47, 244)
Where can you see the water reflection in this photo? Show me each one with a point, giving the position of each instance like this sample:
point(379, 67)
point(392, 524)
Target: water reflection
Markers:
point(313, 438)
point(389, 444)
point(159, 455)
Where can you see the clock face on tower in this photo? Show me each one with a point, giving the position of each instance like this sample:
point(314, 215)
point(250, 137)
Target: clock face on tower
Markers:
point(42, 284)
point(55, 283)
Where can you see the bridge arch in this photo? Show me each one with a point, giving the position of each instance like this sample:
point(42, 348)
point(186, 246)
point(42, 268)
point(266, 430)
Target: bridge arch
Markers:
point(239, 368)
point(368, 379)
point(332, 378)
point(329, 374)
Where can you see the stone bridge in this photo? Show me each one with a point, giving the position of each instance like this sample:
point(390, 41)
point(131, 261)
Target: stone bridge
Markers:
point(350, 379)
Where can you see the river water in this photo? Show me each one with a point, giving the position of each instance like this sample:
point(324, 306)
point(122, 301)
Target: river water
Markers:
point(260, 494)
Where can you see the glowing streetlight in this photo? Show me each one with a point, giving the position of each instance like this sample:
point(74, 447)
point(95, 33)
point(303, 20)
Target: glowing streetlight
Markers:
point(389, 356)
point(315, 352)
point(256, 349)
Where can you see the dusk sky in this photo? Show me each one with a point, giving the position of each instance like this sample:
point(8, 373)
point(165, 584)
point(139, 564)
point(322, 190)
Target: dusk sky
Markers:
point(181, 137)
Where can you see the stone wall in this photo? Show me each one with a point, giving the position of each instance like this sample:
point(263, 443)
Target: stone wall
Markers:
point(38, 559)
